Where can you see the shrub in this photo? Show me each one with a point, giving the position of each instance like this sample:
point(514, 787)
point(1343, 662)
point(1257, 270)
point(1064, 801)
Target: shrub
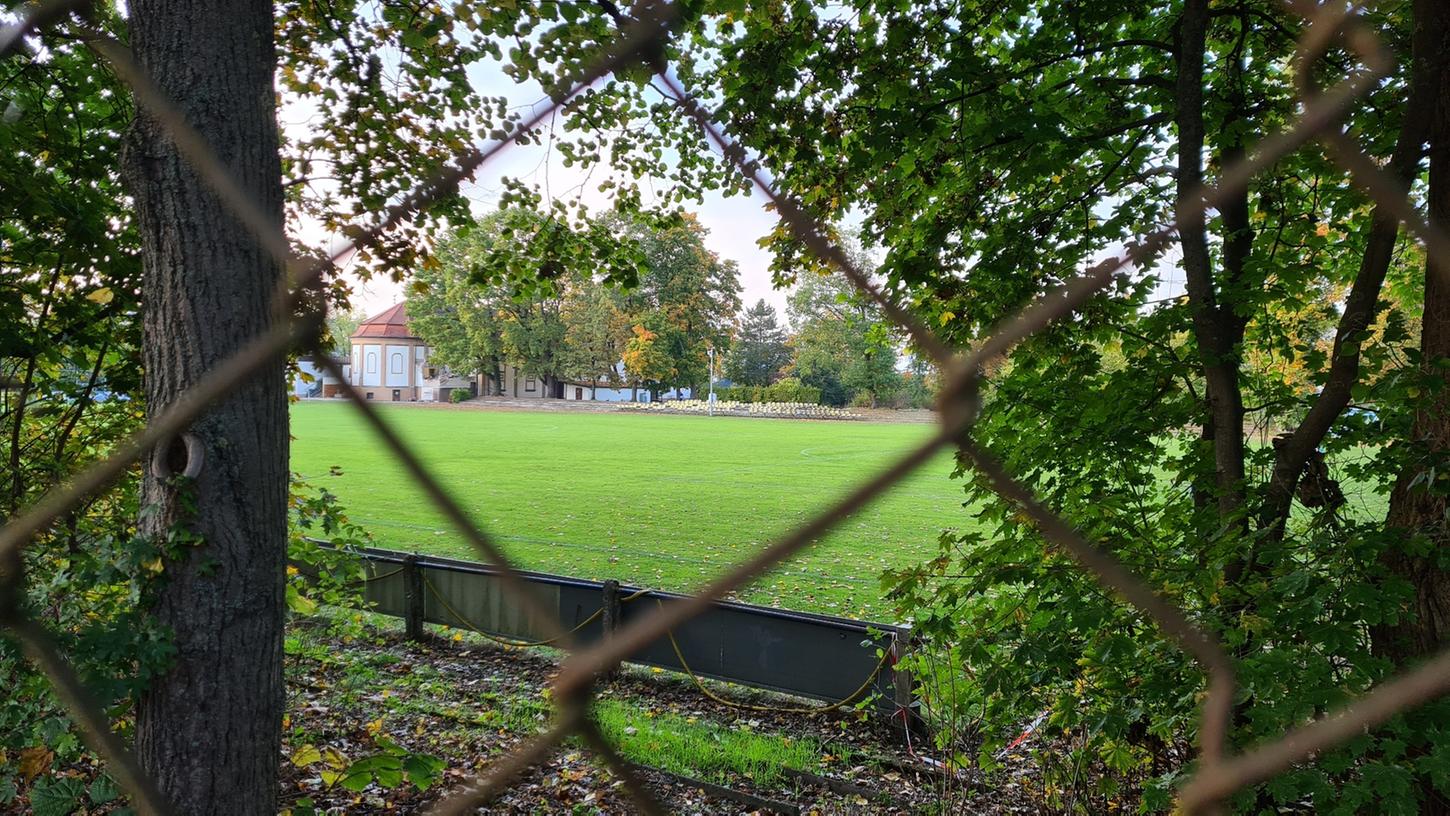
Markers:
point(789, 389)
point(457, 395)
point(800, 410)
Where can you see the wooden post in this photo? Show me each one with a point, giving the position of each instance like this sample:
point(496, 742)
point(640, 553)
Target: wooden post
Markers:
point(905, 717)
point(413, 593)
point(609, 619)
point(610, 607)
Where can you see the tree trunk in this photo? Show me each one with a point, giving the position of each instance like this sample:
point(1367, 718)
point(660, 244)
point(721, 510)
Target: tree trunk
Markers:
point(1419, 501)
point(1214, 324)
point(209, 730)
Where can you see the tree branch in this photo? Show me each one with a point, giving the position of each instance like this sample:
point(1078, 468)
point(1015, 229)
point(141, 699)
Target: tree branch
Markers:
point(1427, 67)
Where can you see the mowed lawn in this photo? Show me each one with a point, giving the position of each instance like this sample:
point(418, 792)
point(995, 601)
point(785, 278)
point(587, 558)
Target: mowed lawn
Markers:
point(652, 500)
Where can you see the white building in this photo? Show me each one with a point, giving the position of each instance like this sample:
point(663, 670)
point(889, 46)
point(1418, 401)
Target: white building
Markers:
point(390, 364)
point(312, 381)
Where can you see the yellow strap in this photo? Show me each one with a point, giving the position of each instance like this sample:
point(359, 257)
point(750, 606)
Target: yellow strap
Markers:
point(371, 578)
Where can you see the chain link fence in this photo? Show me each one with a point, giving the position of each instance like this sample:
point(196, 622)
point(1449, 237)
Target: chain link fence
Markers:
point(1219, 773)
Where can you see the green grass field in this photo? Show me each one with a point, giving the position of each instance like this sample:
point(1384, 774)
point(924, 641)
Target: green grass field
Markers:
point(658, 501)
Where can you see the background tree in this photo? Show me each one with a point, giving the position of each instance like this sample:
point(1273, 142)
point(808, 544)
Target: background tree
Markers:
point(513, 275)
point(759, 351)
point(340, 328)
point(646, 361)
point(531, 331)
point(991, 152)
point(842, 345)
point(871, 372)
point(596, 332)
point(686, 297)
point(457, 318)
point(500, 290)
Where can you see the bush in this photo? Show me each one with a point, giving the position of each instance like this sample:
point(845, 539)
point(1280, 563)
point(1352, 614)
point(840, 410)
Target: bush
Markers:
point(789, 389)
point(798, 410)
point(457, 395)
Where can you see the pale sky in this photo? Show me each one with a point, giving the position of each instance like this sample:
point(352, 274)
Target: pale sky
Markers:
point(735, 224)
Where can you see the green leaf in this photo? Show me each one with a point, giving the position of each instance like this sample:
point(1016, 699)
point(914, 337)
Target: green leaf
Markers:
point(103, 789)
point(299, 603)
point(357, 779)
point(56, 797)
point(423, 770)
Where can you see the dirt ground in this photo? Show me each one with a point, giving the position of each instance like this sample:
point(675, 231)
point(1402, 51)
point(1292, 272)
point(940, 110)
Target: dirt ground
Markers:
point(468, 703)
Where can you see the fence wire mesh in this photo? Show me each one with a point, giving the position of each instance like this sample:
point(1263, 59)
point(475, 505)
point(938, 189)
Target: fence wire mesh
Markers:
point(642, 40)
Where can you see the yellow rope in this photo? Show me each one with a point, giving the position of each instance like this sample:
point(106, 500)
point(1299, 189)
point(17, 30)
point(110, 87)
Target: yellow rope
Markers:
point(699, 684)
point(369, 579)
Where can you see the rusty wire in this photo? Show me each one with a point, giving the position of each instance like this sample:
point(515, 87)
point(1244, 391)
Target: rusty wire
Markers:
point(1218, 774)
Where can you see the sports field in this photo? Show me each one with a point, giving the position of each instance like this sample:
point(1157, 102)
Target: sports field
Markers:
point(652, 500)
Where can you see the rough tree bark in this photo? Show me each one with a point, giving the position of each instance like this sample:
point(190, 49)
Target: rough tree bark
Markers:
point(209, 729)
point(1418, 503)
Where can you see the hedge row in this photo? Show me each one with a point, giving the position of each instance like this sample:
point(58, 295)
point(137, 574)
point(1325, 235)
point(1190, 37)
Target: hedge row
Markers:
point(789, 389)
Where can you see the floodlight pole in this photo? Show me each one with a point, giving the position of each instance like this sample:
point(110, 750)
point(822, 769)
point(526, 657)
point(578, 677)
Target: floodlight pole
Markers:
point(711, 407)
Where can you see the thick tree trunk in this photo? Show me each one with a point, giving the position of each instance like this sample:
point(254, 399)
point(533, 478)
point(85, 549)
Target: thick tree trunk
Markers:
point(1418, 503)
point(209, 730)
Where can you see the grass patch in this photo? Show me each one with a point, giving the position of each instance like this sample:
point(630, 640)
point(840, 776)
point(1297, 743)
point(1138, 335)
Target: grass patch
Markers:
point(661, 501)
point(701, 749)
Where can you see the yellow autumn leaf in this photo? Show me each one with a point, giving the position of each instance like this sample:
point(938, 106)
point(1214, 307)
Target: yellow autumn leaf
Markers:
point(1322, 230)
point(154, 566)
point(306, 755)
point(334, 757)
point(102, 296)
point(375, 726)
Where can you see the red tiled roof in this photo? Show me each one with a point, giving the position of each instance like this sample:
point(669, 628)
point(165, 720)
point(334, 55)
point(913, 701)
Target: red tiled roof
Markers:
point(391, 323)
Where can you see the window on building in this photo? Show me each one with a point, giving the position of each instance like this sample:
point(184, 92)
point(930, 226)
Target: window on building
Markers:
point(372, 364)
point(430, 373)
point(397, 395)
point(397, 364)
point(529, 384)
